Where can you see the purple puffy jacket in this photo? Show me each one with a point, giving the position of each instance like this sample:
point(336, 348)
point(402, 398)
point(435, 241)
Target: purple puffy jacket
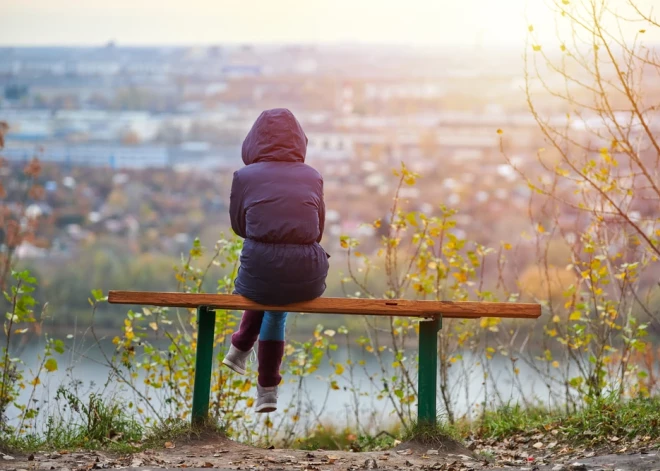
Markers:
point(277, 206)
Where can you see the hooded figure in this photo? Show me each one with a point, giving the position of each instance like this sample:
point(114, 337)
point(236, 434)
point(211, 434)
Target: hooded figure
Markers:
point(276, 205)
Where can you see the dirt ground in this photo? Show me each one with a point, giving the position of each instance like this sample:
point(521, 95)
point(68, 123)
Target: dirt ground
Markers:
point(446, 455)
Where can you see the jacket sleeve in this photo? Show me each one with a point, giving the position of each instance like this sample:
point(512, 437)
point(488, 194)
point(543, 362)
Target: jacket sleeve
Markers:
point(321, 215)
point(236, 209)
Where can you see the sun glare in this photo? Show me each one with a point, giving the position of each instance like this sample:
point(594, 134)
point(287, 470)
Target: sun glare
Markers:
point(417, 22)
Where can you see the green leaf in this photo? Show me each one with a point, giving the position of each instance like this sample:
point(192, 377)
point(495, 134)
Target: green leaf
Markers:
point(98, 295)
point(58, 346)
point(576, 382)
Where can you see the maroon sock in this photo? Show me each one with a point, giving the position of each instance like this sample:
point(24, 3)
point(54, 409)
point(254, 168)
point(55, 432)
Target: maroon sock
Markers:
point(270, 357)
point(248, 332)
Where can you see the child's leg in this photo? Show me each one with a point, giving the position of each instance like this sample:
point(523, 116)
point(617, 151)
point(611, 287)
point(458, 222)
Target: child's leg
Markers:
point(271, 348)
point(243, 340)
point(248, 332)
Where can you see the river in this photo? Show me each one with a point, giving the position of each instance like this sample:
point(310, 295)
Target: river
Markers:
point(83, 369)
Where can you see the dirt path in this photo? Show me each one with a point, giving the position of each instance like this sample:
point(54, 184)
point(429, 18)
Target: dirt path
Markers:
point(221, 453)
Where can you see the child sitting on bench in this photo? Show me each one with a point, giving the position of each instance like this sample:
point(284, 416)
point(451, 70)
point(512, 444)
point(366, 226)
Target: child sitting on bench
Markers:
point(276, 205)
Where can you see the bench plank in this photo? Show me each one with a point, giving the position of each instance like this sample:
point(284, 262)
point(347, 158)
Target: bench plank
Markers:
point(350, 306)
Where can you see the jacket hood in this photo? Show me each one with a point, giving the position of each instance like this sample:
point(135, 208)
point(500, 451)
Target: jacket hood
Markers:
point(275, 136)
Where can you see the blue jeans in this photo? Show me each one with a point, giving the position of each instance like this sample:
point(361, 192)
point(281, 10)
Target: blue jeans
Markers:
point(267, 327)
point(273, 326)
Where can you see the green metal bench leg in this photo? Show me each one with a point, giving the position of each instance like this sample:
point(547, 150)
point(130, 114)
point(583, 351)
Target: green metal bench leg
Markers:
point(203, 364)
point(428, 371)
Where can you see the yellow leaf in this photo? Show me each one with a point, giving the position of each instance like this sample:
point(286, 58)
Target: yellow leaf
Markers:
point(507, 246)
point(552, 332)
point(516, 370)
point(642, 31)
point(575, 316)
point(565, 2)
point(555, 364)
point(536, 48)
point(249, 402)
point(530, 28)
point(246, 386)
point(20, 331)
point(499, 131)
point(540, 228)
point(377, 223)
point(357, 254)
point(410, 217)
point(461, 277)
point(555, 318)
point(36, 381)
point(50, 365)
point(153, 325)
point(339, 369)
point(343, 243)
point(563, 48)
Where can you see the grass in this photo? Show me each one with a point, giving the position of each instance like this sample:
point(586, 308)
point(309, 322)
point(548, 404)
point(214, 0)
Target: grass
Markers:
point(430, 434)
point(93, 424)
point(596, 423)
point(113, 431)
point(104, 424)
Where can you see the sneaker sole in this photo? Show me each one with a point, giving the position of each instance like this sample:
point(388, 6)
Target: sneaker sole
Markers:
point(234, 367)
point(265, 408)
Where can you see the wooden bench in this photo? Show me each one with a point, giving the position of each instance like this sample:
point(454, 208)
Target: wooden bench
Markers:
point(432, 313)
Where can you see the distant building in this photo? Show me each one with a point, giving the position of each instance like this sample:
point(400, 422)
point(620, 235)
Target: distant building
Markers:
point(93, 155)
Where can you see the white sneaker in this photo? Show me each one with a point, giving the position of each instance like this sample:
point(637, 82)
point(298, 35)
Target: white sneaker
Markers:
point(236, 360)
point(266, 399)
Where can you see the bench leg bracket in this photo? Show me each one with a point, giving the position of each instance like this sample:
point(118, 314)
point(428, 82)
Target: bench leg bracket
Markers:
point(203, 364)
point(428, 371)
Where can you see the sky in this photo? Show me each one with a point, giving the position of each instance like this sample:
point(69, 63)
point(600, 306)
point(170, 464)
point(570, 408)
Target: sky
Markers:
point(190, 22)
